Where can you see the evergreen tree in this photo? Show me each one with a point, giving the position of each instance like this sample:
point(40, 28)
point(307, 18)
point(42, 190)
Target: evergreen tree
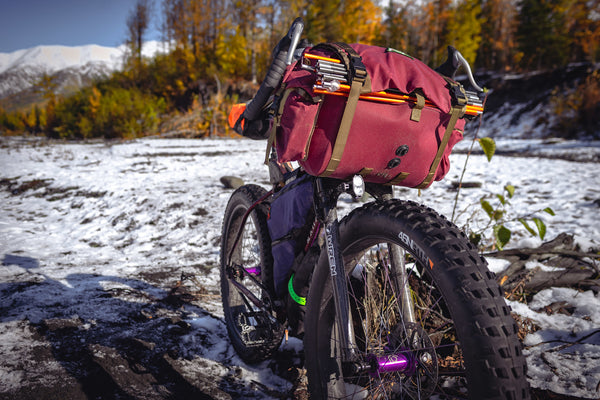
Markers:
point(542, 33)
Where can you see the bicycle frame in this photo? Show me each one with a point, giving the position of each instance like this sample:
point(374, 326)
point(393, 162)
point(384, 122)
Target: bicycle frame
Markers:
point(327, 192)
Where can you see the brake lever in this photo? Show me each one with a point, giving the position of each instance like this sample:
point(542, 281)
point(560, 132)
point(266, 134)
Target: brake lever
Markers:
point(460, 60)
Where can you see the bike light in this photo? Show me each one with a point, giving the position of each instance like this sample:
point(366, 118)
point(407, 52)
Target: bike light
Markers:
point(358, 186)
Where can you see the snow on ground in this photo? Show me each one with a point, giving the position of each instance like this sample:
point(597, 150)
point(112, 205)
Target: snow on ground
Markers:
point(96, 235)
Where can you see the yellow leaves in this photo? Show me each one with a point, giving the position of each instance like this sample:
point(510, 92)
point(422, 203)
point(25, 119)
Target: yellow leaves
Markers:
point(179, 85)
point(360, 21)
point(348, 21)
point(94, 101)
point(464, 29)
point(577, 108)
point(85, 127)
point(232, 54)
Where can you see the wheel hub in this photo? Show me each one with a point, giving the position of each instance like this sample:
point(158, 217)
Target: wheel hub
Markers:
point(410, 354)
point(403, 363)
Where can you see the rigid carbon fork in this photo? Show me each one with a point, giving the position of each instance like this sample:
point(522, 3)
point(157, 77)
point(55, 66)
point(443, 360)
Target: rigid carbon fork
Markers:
point(326, 196)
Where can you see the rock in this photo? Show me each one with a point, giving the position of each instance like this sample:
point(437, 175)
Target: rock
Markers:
point(56, 324)
point(232, 182)
point(466, 185)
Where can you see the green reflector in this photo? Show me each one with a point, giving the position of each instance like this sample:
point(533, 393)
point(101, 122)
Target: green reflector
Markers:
point(295, 297)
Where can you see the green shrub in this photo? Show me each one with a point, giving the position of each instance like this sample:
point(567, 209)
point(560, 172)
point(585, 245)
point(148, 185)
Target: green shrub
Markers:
point(113, 112)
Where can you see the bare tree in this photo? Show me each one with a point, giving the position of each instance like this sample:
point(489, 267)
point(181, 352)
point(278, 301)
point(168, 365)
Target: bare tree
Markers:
point(137, 26)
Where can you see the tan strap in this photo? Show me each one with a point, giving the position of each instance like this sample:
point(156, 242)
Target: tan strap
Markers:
point(416, 111)
point(360, 81)
point(275, 124)
point(455, 113)
point(270, 143)
point(365, 172)
point(344, 130)
point(399, 178)
point(351, 60)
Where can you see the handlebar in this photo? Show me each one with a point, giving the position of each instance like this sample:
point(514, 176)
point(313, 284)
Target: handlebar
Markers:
point(467, 67)
point(281, 59)
point(453, 63)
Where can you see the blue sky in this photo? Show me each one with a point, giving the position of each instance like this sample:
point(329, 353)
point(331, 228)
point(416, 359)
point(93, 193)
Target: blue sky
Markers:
point(29, 23)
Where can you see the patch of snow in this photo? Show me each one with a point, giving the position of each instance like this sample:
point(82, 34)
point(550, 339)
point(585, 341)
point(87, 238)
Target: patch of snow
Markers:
point(563, 355)
point(497, 265)
point(536, 264)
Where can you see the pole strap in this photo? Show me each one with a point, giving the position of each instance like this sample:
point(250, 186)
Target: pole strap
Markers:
point(360, 82)
point(415, 115)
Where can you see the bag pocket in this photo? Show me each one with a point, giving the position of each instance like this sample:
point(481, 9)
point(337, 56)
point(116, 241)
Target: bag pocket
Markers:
point(296, 125)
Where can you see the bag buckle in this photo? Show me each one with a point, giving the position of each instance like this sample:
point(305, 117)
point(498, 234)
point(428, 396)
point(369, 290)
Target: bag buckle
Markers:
point(359, 71)
point(458, 94)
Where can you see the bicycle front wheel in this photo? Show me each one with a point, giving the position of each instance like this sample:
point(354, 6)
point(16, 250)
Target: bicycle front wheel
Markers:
point(428, 319)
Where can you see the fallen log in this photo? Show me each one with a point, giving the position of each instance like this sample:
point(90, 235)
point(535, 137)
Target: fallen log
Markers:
point(557, 263)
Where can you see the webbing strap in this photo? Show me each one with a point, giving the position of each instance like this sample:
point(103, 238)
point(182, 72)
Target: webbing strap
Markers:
point(399, 178)
point(351, 60)
point(455, 113)
point(344, 130)
point(276, 122)
point(415, 115)
point(365, 172)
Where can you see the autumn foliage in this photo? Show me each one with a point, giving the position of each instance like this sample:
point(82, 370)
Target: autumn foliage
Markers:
point(215, 49)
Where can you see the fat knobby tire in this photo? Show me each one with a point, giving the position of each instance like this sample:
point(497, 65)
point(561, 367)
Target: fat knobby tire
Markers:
point(494, 363)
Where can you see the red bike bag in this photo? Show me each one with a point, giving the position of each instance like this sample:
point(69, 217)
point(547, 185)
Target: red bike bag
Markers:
point(390, 118)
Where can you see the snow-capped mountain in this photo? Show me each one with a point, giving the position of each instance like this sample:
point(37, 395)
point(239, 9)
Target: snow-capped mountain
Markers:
point(55, 58)
point(21, 70)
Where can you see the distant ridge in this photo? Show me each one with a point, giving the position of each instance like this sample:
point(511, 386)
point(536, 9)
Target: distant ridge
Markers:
point(54, 58)
point(71, 66)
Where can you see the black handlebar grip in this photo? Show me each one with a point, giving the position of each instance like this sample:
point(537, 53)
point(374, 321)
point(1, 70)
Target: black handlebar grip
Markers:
point(276, 70)
point(451, 65)
point(271, 81)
